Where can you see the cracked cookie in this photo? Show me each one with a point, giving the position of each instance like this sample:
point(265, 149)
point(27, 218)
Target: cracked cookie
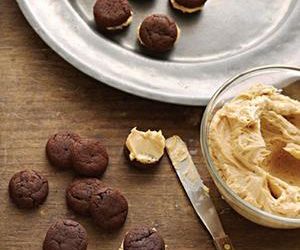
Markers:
point(188, 6)
point(112, 15)
point(58, 149)
point(79, 194)
point(143, 237)
point(89, 157)
point(66, 235)
point(109, 208)
point(158, 33)
point(28, 189)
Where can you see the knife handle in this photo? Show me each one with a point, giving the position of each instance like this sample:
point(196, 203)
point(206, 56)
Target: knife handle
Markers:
point(223, 243)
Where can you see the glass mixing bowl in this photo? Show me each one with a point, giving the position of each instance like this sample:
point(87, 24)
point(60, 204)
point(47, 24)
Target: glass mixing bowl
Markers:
point(282, 77)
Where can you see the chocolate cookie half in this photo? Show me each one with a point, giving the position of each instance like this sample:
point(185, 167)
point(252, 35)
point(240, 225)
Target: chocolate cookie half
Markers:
point(58, 149)
point(143, 237)
point(79, 194)
point(112, 15)
point(144, 149)
point(109, 208)
point(66, 235)
point(28, 189)
point(158, 33)
point(89, 157)
point(188, 6)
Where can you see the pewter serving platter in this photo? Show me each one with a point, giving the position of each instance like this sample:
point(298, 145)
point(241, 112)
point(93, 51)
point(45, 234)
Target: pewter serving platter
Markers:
point(226, 38)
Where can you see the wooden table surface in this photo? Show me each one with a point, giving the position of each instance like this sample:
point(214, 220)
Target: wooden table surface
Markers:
point(41, 94)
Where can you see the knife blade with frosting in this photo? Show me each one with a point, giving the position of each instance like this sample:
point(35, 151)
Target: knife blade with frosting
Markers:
point(197, 192)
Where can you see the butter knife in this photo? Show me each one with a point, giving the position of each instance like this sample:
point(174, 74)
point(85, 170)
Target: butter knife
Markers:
point(197, 192)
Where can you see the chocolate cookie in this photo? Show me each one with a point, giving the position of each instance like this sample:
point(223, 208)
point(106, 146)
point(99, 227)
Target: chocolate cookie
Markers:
point(66, 235)
point(28, 189)
point(188, 6)
point(89, 157)
point(109, 208)
point(79, 194)
point(158, 33)
point(58, 149)
point(111, 15)
point(143, 237)
point(144, 149)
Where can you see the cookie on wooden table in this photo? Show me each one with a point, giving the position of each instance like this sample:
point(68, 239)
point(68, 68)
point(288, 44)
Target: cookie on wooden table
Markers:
point(28, 189)
point(109, 209)
point(66, 235)
point(79, 194)
point(58, 149)
point(89, 157)
point(143, 237)
point(144, 149)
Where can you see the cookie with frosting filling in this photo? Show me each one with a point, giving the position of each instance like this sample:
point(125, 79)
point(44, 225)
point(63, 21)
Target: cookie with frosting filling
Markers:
point(144, 149)
point(158, 33)
point(188, 6)
point(143, 237)
point(112, 15)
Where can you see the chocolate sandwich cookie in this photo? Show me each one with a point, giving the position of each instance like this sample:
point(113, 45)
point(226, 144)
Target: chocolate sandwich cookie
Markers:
point(89, 157)
point(58, 149)
point(109, 208)
point(28, 189)
point(188, 6)
point(79, 194)
point(112, 15)
point(158, 33)
point(143, 237)
point(66, 235)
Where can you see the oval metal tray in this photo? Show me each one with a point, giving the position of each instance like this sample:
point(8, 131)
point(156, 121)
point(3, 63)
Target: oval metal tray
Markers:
point(227, 37)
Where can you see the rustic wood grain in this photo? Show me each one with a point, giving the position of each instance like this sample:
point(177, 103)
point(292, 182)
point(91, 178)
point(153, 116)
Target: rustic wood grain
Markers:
point(40, 94)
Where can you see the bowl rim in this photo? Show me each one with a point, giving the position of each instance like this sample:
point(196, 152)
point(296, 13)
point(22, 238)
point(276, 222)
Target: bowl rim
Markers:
point(205, 149)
